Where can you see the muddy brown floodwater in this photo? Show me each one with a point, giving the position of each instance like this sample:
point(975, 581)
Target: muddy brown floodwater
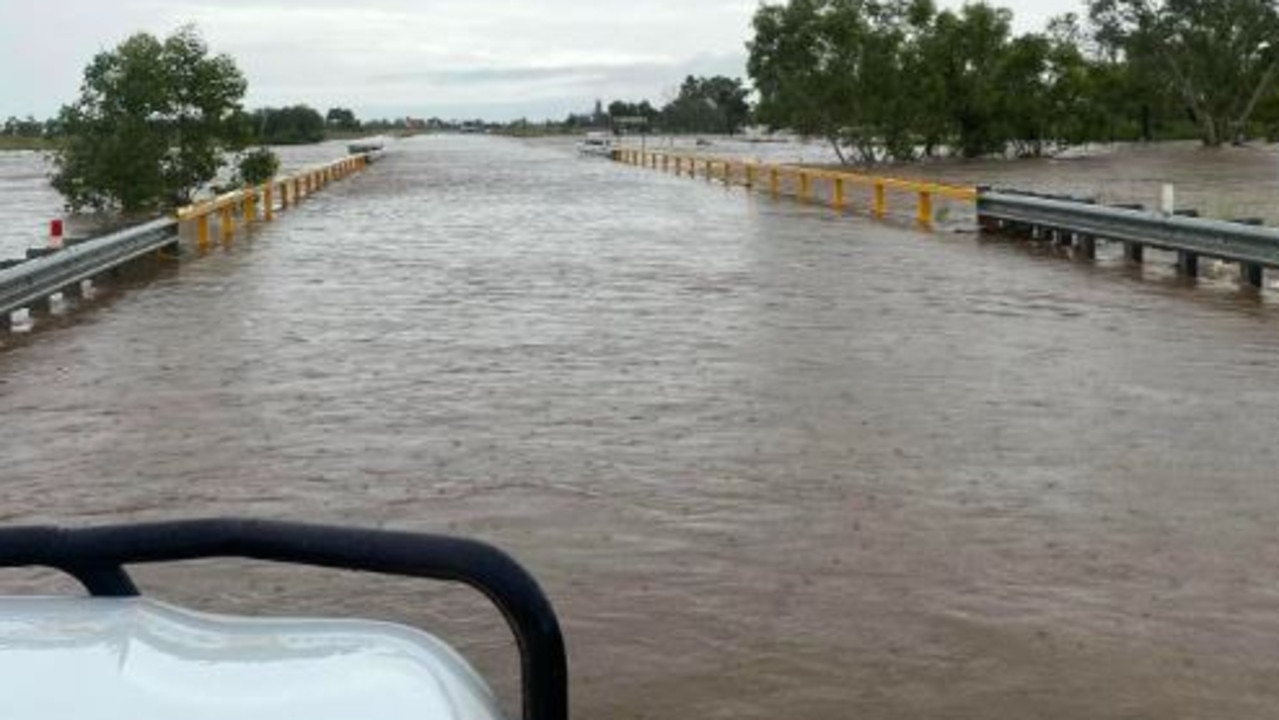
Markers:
point(767, 461)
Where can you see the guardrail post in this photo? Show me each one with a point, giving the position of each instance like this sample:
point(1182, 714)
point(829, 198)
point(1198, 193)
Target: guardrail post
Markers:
point(1188, 263)
point(202, 231)
point(1252, 274)
point(749, 171)
point(251, 205)
point(881, 200)
point(1087, 245)
point(226, 223)
point(710, 170)
point(838, 200)
point(925, 209)
point(1134, 252)
point(805, 186)
point(268, 202)
point(666, 162)
point(679, 166)
point(728, 173)
point(775, 182)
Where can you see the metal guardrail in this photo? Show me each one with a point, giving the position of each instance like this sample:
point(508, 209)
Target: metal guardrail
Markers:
point(34, 280)
point(31, 281)
point(1250, 245)
point(749, 174)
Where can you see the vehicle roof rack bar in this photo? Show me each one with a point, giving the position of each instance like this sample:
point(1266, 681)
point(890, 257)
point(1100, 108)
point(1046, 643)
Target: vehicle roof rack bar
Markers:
point(97, 556)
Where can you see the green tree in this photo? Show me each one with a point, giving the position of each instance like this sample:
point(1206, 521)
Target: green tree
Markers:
point(1220, 58)
point(708, 105)
point(342, 119)
point(258, 166)
point(151, 125)
point(293, 125)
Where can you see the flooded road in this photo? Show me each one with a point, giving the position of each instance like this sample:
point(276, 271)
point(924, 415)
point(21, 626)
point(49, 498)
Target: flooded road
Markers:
point(768, 462)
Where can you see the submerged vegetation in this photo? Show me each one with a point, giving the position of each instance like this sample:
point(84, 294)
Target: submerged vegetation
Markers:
point(899, 79)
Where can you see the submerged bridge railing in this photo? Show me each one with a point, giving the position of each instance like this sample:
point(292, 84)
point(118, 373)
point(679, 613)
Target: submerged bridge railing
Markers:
point(836, 188)
point(72, 269)
point(1081, 223)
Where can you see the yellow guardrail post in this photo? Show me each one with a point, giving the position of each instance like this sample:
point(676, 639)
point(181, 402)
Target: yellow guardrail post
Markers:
point(749, 171)
point(728, 173)
point(202, 231)
point(838, 199)
point(251, 205)
point(268, 202)
point(805, 186)
point(881, 200)
point(925, 208)
point(226, 223)
point(775, 181)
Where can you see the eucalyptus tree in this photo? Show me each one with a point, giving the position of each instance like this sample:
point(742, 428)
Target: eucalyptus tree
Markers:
point(1219, 57)
point(150, 126)
point(842, 70)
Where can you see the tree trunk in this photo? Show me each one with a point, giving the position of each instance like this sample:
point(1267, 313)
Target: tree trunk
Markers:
point(834, 143)
point(1240, 125)
point(1212, 137)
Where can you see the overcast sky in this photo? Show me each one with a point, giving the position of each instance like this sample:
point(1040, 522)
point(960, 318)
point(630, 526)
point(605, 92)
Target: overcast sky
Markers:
point(498, 59)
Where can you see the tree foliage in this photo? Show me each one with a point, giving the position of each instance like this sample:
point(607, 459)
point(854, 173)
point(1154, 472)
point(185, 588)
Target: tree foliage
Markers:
point(151, 125)
point(258, 166)
point(342, 119)
point(898, 78)
point(708, 105)
point(293, 125)
point(716, 105)
point(1218, 57)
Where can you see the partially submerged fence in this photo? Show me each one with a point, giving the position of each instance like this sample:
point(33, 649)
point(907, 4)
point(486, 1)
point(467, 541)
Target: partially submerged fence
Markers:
point(72, 268)
point(844, 191)
point(1081, 224)
point(262, 202)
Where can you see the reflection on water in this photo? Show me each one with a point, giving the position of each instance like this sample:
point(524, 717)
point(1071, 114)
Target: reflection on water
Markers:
point(768, 462)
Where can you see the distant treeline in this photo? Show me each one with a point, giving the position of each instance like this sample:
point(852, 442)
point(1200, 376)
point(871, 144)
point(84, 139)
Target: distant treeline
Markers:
point(292, 125)
point(898, 79)
point(704, 105)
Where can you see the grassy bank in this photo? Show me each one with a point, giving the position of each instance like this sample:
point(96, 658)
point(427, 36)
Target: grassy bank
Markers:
point(11, 142)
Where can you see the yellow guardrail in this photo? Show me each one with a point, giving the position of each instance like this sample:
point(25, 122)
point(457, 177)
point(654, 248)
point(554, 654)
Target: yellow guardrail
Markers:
point(245, 204)
point(756, 173)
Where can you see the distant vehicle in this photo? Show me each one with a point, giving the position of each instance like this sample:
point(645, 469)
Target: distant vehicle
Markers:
point(365, 146)
point(131, 657)
point(599, 144)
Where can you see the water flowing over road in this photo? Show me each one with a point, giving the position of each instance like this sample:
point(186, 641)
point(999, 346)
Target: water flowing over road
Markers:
point(768, 462)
